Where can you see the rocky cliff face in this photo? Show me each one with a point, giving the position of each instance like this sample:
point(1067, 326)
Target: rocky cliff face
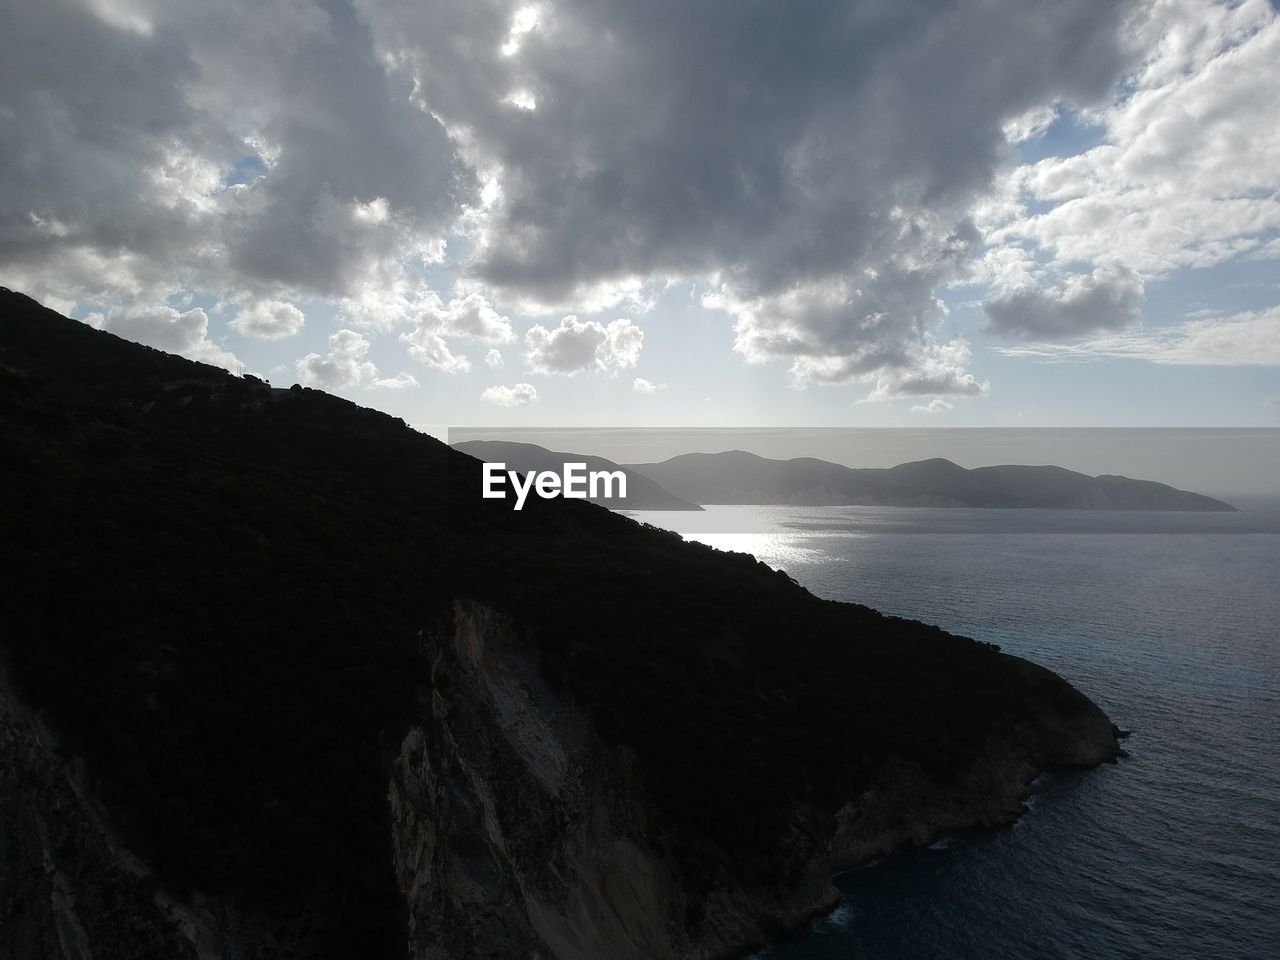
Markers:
point(517, 833)
point(905, 808)
point(70, 890)
point(66, 889)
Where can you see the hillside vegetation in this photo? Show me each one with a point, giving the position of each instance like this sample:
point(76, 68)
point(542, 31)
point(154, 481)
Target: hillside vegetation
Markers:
point(222, 596)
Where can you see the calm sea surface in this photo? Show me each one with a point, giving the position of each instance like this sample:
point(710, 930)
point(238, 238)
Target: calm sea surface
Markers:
point(1171, 623)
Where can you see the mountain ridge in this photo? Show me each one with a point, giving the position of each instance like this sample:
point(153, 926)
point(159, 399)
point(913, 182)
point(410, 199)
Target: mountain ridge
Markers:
point(739, 477)
point(329, 703)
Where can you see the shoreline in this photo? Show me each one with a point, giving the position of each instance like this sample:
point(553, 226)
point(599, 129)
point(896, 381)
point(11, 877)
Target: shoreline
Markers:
point(834, 903)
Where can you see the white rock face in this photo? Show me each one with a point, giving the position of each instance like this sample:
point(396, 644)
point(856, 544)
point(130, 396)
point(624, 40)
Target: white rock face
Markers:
point(519, 833)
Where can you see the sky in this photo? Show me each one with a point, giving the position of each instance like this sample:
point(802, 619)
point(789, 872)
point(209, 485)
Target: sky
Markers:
point(888, 213)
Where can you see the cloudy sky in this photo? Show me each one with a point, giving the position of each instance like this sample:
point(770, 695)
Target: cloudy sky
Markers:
point(729, 212)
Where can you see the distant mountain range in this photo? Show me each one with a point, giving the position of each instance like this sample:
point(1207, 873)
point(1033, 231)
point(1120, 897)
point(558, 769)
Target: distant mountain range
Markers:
point(739, 477)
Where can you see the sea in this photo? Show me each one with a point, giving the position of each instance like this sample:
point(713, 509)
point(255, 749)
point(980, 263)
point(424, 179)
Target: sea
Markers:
point(1171, 623)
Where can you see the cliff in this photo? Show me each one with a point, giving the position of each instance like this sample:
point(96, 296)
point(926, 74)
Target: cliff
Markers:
point(520, 833)
point(516, 832)
point(278, 683)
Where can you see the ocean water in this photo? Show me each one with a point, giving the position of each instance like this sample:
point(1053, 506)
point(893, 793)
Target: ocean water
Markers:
point(1171, 623)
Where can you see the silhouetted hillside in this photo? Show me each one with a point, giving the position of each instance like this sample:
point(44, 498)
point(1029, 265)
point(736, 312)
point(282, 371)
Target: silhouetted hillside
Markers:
point(227, 599)
point(740, 477)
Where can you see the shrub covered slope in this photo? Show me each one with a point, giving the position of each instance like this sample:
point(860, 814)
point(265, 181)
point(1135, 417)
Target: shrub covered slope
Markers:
point(220, 594)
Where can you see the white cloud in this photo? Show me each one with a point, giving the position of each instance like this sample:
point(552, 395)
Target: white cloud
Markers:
point(343, 366)
point(182, 332)
point(626, 340)
point(268, 320)
point(1243, 339)
point(428, 347)
point(401, 381)
point(473, 316)
point(641, 385)
point(936, 405)
point(469, 317)
point(1186, 174)
point(577, 346)
point(519, 395)
point(493, 359)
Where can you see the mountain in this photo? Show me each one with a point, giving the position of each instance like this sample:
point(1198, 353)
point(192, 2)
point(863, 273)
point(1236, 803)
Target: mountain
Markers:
point(642, 493)
point(740, 477)
point(275, 681)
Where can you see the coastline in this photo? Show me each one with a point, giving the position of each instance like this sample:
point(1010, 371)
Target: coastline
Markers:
point(994, 797)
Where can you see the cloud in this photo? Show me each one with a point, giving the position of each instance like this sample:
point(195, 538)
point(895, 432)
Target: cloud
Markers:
point(935, 370)
point(822, 176)
point(1243, 339)
point(268, 320)
point(428, 347)
point(248, 152)
point(519, 395)
point(493, 359)
point(185, 333)
point(401, 381)
point(470, 317)
point(624, 344)
point(817, 171)
point(936, 405)
point(1110, 298)
point(343, 366)
point(577, 346)
point(473, 316)
point(1184, 174)
point(641, 385)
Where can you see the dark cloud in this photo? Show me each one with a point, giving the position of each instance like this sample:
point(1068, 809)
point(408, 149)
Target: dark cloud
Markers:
point(818, 164)
point(815, 165)
point(230, 148)
point(1110, 298)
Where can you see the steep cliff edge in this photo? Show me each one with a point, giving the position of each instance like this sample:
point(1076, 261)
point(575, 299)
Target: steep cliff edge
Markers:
point(64, 892)
point(71, 889)
point(520, 833)
point(517, 832)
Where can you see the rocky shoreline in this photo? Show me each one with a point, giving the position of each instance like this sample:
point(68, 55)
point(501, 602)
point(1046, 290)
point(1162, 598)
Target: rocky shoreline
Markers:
point(517, 832)
point(536, 889)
